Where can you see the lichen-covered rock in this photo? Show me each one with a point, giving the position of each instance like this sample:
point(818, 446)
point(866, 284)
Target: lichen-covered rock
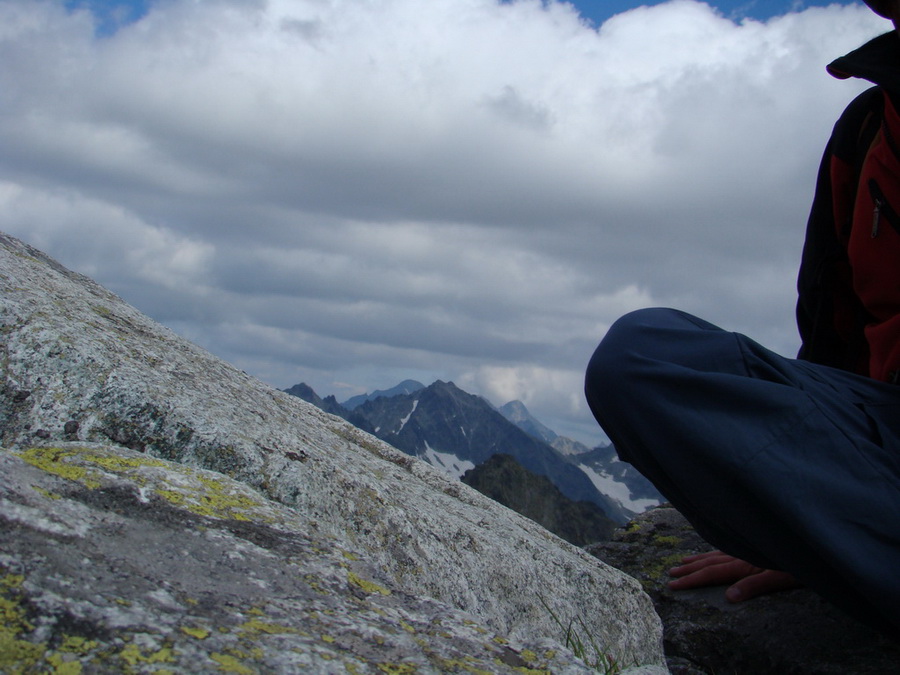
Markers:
point(115, 561)
point(790, 633)
point(81, 366)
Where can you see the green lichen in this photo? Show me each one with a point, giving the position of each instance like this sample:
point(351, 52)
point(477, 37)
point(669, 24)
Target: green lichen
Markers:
point(651, 574)
point(670, 541)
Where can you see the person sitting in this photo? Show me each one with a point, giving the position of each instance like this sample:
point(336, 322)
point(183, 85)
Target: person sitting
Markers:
point(791, 467)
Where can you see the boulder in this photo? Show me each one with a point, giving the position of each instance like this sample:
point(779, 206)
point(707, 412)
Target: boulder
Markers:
point(506, 481)
point(790, 633)
point(178, 497)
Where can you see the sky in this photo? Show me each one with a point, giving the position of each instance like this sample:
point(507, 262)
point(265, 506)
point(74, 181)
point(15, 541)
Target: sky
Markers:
point(349, 193)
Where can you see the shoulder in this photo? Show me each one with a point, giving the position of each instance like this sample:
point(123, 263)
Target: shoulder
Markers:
point(860, 119)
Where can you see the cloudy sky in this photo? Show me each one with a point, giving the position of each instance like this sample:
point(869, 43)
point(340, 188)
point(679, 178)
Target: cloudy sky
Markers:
point(352, 192)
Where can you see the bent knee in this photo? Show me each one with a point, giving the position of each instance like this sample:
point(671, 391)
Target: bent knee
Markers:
point(634, 333)
point(639, 341)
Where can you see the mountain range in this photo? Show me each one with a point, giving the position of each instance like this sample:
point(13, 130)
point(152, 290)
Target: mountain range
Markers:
point(458, 432)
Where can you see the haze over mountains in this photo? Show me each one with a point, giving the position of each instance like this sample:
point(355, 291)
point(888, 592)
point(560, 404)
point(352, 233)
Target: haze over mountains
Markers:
point(458, 432)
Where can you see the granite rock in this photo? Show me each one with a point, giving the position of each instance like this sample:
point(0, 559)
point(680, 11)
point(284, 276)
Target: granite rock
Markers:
point(90, 386)
point(789, 633)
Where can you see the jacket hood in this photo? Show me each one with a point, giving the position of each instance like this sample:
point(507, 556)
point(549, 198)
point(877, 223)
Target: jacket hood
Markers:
point(877, 61)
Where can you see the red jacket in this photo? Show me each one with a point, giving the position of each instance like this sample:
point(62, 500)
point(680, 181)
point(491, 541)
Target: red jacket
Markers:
point(848, 310)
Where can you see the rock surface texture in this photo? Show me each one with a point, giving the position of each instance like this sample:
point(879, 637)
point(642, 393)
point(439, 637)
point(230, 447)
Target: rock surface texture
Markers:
point(162, 511)
point(790, 633)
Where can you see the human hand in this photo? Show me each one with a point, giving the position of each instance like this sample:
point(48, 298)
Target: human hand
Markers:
point(716, 568)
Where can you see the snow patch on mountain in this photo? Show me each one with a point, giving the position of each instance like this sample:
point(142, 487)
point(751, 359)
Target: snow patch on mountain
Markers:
point(406, 419)
point(617, 491)
point(447, 462)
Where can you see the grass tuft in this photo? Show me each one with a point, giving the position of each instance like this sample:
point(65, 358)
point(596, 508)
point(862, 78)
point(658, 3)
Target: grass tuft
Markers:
point(585, 647)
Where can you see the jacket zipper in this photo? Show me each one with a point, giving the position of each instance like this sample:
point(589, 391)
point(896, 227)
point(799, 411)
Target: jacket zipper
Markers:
point(876, 216)
point(882, 209)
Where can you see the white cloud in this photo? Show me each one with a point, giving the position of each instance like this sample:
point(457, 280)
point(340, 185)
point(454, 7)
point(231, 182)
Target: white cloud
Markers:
point(457, 189)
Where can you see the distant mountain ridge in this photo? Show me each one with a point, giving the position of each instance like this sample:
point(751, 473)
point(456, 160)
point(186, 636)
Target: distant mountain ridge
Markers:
point(517, 413)
point(456, 431)
point(405, 387)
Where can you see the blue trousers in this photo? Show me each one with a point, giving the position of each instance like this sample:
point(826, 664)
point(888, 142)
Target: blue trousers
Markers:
point(787, 464)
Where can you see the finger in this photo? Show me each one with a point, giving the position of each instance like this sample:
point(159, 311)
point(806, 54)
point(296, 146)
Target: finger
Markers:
point(767, 581)
point(702, 556)
point(698, 564)
point(726, 572)
point(729, 571)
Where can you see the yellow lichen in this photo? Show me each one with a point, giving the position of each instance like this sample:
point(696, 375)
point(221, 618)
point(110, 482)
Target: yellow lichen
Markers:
point(452, 665)
point(16, 654)
point(46, 493)
point(51, 460)
point(531, 671)
point(77, 644)
point(195, 632)
point(367, 586)
point(12, 581)
point(397, 668)
point(229, 664)
point(62, 667)
point(133, 655)
point(117, 463)
point(214, 500)
point(255, 627)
